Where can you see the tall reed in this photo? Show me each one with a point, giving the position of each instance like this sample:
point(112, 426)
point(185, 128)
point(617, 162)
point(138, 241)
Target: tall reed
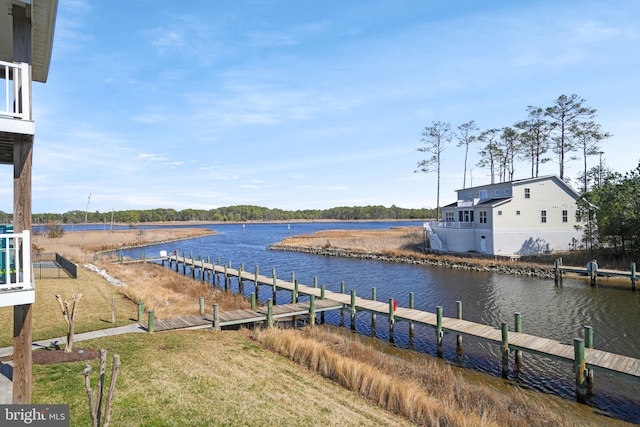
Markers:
point(421, 390)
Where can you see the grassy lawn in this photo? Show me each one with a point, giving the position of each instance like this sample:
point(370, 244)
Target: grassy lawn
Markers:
point(94, 307)
point(197, 378)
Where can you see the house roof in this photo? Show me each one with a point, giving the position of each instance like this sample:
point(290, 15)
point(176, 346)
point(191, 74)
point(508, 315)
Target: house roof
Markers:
point(554, 178)
point(496, 201)
point(43, 20)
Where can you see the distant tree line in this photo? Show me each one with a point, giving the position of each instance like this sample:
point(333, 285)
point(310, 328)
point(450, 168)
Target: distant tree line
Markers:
point(232, 214)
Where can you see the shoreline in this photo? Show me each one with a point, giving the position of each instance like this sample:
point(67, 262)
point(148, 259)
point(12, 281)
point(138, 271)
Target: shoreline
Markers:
point(518, 270)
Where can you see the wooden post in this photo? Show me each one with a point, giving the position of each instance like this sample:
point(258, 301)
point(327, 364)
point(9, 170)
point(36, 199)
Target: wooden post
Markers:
point(113, 309)
point(342, 309)
point(240, 279)
point(556, 272)
point(353, 309)
point(579, 367)
point(256, 283)
point(152, 320)
point(270, 312)
point(216, 317)
point(273, 286)
point(226, 281)
point(588, 336)
point(593, 272)
point(391, 319)
point(588, 343)
point(439, 333)
point(411, 326)
point(294, 293)
point(633, 276)
point(201, 300)
point(312, 310)
point(253, 301)
point(140, 311)
point(322, 292)
point(315, 281)
point(202, 270)
point(518, 328)
point(373, 315)
point(505, 350)
point(459, 316)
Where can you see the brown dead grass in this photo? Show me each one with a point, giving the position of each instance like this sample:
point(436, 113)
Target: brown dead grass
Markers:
point(168, 293)
point(82, 246)
point(421, 389)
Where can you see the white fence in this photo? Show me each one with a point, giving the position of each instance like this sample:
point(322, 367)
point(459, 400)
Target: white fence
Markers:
point(15, 91)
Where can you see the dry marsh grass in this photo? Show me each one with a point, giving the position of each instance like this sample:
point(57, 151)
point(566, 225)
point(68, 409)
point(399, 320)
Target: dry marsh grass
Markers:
point(82, 246)
point(420, 389)
point(168, 293)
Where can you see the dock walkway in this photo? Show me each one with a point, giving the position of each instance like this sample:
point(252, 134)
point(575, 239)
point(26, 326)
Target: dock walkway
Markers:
point(593, 358)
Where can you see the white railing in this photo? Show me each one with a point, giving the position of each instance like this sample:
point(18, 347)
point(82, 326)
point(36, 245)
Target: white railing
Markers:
point(16, 285)
point(434, 239)
point(453, 224)
point(16, 90)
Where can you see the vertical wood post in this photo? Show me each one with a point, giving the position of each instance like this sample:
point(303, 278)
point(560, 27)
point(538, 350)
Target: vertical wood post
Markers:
point(240, 279)
point(216, 317)
point(113, 309)
point(342, 309)
point(151, 322)
point(22, 170)
point(312, 310)
point(588, 343)
point(459, 316)
point(593, 272)
point(518, 328)
point(373, 315)
point(315, 281)
point(201, 301)
point(294, 293)
point(322, 292)
point(256, 282)
point(270, 312)
point(253, 301)
point(579, 367)
point(439, 333)
point(391, 319)
point(505, 350)
point(273, 286)
point(225, 278)
point(633, 276)
point(140, 311)
point(411, 325)
point(353, 309)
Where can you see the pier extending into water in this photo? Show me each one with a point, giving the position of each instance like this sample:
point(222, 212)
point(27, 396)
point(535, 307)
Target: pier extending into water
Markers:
point(581, 352)
point(593, 272)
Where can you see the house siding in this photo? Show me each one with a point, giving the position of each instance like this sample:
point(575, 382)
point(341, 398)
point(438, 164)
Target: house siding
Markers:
point(514, 222)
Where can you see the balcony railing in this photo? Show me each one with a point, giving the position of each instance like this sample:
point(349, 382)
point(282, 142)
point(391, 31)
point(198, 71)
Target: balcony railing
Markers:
point(452, 224)
point(15, 92)
point(16, 284)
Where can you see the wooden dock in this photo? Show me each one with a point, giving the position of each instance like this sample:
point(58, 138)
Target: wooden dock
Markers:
point(593, 272)
point(238, 317)
point(580, 352)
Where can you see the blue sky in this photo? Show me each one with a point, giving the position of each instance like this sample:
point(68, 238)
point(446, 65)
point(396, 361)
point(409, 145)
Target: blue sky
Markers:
point(309, 105)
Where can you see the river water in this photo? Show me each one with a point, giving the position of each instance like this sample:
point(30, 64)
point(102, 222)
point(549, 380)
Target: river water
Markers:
point(556, 312)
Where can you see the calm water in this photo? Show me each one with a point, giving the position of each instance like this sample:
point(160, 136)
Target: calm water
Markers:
point(558, 313)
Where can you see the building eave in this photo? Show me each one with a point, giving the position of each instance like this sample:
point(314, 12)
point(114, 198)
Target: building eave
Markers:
point(43, 19)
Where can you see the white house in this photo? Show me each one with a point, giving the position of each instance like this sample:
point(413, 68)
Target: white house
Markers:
point(521, 217)
point(26, 38)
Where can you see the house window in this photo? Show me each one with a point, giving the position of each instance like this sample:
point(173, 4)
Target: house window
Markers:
point(460, 216)
point(517, 212)
point(466, 216)
point(483, 217)
point(506, 191)
point(499, 212)
point(448, 217)
point(543, 216)
point(565, 216)
point(497, 192)
point(527, 193)
point(483, 194)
